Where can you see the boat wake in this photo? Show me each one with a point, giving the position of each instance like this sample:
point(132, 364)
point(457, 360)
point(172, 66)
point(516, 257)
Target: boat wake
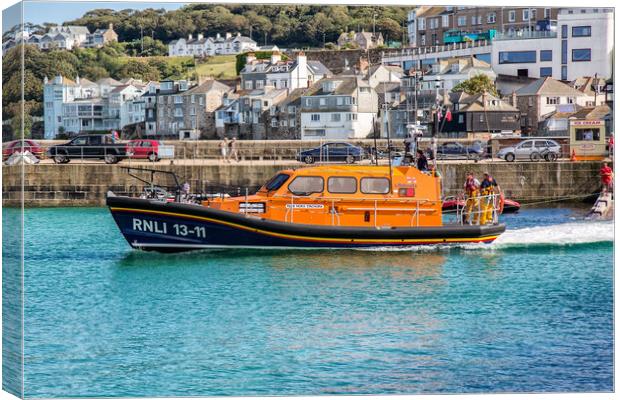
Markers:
point(567, 234)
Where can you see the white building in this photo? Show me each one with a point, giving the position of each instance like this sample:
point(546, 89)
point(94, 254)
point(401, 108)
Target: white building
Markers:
point(201, 46)
point(280, 74)
point(338, 108)
point(582, 46)
point(82, 105)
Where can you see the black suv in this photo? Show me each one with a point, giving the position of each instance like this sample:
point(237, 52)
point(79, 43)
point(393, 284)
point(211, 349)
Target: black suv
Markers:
point(95, 146)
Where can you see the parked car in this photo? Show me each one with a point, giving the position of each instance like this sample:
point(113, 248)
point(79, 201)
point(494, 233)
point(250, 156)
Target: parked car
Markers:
point(532, 149)
point(337, 151)
point(456, 150)
point(20, 146)
point(144, 148)
point(93, 146)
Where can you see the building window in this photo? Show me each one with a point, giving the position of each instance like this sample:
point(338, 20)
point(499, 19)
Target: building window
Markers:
point(512, 16)
point(201, 100)
point(193, 99)
point(421, 24)
point(517, 57)
point(564, 73)
point(491, 18)
point(315, 117)
point(564, 31)
point(582, 55)
point(564, 51)
point(526, 14)
point(553, 100)
point(445, 21)
point(461, 21)
point(422, 39)
point(582, 31)
point(545, 71)
point(546, 55)
point(336, 117)
point(321, 101)
point(433, 23)
point(547, 13)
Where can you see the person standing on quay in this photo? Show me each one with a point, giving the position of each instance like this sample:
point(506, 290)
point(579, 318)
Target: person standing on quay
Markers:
point(234, 151)
point(607, 178)
point(224, 149)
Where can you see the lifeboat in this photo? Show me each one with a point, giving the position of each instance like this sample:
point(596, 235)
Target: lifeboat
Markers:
point(314, 207)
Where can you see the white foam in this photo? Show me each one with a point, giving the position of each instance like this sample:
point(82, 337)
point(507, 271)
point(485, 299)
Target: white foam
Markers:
point(560, 234)
point(553, 235)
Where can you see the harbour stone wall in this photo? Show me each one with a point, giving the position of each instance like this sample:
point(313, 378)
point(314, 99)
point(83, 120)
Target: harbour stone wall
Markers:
point(76, 184)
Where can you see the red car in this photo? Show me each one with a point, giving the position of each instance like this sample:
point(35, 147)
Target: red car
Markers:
point(144, 148)
point(16, 146)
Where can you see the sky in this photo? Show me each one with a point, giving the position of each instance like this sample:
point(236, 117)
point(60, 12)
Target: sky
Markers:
point(60, 11)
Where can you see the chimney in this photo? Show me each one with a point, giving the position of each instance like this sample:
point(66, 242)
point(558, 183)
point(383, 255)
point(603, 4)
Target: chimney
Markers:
point(200, 36)
point(238, 34)
point(250, 58)
point(514, 98)
point(218, 36)
point(484, 99)
point(77, 80)
point(228, 35)
point(45, 80)
point(275, 57)
point(190, 37)
point(111, 26)
point(302, 61)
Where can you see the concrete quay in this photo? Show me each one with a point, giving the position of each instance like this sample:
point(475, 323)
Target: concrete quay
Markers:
point(85, 184)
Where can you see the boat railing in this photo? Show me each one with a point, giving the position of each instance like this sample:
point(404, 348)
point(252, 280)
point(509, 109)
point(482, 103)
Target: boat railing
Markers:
point(478, 210)
point(375, 207)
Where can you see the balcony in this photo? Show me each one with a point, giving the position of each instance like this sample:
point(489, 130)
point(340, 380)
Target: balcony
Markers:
point(526, 35)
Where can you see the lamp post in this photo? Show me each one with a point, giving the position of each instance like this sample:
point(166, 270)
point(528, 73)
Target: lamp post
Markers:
point(436, 130)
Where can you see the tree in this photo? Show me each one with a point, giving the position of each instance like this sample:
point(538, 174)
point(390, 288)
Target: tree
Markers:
point(20, 118)
point(94, 72)
point(476, 85)
point(139, 69)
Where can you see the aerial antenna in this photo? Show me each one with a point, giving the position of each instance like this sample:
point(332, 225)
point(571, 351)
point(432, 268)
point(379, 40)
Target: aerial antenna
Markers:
point(387, 125)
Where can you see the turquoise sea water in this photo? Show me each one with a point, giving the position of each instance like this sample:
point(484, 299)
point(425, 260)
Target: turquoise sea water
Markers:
point(531, 313)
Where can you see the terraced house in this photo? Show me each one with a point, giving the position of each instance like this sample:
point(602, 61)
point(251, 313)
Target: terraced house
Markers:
point(342, 107)
point(201, 46)
point(188, 112)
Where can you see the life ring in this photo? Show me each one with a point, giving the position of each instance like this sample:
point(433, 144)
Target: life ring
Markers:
point(501, 203)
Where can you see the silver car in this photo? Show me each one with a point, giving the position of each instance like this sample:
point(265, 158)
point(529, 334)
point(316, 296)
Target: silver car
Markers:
point(532, 149)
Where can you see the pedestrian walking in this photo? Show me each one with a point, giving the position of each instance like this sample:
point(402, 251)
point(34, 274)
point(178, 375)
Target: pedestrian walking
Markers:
point(224, 149)
point(234, 150)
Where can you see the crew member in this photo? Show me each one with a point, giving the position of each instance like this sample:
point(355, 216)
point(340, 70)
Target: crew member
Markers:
point(607, 177)
point(488, 188)
point(422, 162)
point(472, 203)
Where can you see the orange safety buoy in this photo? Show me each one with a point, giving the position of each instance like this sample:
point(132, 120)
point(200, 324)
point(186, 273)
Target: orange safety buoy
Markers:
point(573, 156)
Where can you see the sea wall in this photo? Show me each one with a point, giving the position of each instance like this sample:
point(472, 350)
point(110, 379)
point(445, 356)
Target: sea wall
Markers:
point(78, 184)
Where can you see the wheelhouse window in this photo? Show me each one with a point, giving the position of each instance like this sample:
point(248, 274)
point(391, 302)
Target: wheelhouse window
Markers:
point(375, 185)
point(276, 182)
point(306, 185)
point(341, 184)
